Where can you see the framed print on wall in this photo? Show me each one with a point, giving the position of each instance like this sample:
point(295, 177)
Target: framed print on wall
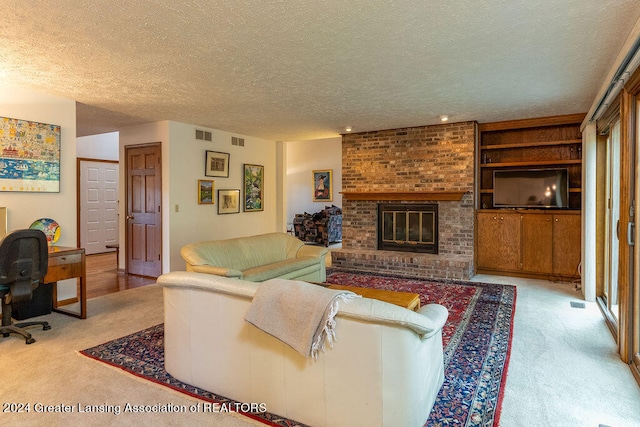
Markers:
point(216, 164)
point(205, 192)
point(228, 201)
point(322, 185)
point(29, 156)
point(253, 188)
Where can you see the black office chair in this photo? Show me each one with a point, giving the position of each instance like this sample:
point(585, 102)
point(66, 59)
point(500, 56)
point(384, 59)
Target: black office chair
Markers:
point(23, 264)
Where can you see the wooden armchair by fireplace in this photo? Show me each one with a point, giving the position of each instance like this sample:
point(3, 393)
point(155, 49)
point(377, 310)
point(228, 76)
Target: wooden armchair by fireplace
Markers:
point(324, 227)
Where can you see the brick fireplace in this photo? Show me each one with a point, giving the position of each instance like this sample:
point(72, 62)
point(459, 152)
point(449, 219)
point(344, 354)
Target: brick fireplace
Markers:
point(408, 227)
point(428, 164)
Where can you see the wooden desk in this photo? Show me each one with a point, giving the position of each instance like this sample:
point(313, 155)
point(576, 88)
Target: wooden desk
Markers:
point(67, 263)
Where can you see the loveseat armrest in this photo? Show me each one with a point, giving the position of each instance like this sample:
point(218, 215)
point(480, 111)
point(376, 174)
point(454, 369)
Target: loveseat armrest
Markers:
point(312, 251)
point(218, 271)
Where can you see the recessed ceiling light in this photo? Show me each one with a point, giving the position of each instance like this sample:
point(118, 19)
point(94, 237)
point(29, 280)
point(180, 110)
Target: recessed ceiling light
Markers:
point(444, 118)
point(348, 129)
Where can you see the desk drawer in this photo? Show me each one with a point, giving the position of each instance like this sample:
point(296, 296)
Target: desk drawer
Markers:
point(65, 259)
point(62, 272)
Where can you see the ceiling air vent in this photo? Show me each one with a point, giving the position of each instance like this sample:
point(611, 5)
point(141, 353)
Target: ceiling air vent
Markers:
point(237, 141)
point(203, 135)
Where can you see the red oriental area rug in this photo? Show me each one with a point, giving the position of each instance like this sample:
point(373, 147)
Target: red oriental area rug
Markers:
point(476, 340)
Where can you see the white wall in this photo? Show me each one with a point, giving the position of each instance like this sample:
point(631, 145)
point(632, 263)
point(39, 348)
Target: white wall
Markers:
point(24, 208)
point(183, 160)
point(104, 146)
point(303, 157)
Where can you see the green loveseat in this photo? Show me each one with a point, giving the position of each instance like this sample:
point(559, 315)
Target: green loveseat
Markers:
point(257, 258)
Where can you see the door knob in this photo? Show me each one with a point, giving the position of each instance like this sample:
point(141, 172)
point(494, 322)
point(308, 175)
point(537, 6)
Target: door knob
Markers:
point(129, 217)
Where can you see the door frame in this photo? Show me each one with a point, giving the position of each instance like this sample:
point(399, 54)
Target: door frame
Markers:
point(629, 343)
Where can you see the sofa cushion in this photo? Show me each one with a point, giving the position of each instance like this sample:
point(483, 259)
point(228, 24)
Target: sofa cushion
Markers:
point(283, 269)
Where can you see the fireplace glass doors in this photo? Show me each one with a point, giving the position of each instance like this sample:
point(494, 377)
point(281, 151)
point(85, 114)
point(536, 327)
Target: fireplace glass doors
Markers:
point(408, 227)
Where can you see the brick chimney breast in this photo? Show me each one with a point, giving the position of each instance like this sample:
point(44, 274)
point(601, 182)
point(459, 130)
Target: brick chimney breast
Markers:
point(426, 159)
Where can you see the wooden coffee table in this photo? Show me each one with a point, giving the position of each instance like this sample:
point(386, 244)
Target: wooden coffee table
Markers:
point(403, 299)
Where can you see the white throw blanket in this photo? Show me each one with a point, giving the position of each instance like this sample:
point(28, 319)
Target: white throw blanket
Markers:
point(298, 313)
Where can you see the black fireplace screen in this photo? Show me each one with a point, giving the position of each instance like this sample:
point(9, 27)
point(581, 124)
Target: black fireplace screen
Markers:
point(408, 227)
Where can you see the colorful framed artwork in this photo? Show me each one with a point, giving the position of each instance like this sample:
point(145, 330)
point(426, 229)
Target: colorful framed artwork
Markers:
point(29, 156)
point(205, 192)
point(3, 222)
point(228, 201)
point(253, 188)
point(216, 164)
point(322, 185)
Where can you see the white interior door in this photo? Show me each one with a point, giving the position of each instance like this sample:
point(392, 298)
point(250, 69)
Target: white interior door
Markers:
point(98, 205)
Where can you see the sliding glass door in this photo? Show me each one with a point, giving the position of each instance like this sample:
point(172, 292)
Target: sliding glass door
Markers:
point(634, 236)
point(629, 267)
point(612, 223)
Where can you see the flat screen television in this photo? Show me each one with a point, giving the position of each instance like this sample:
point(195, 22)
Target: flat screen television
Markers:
point(533, 188)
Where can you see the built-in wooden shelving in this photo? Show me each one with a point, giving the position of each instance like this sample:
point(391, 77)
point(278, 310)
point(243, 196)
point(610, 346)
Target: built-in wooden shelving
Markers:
point(543, 143)
point(529, 242)
point(531, 144)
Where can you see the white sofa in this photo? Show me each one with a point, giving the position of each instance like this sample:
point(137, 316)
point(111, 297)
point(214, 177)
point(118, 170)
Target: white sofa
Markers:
point(257, 258)
point(385, 369)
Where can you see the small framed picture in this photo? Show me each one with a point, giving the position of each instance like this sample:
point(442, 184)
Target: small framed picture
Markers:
point(205, 192)
point(216, 164)
point(322, 185)
point(228, 201)
point(253, 188)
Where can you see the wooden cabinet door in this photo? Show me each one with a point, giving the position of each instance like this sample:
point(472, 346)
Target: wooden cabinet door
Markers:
point(499, 241)
point(537, 243)
point(566, 244)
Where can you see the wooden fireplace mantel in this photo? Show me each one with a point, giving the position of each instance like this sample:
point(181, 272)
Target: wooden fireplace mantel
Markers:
point(408, 196)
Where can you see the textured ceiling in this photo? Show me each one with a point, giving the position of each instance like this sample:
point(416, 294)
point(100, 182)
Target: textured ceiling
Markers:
point(297, 70)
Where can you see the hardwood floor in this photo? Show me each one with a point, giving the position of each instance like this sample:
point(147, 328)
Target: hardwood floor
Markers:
point(103, 276)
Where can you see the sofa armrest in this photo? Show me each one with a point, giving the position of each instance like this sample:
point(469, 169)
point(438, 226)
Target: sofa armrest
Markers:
point(207, 282)
point(311, 251)
point(426, 322)
point(436, 314)
point(218, 271)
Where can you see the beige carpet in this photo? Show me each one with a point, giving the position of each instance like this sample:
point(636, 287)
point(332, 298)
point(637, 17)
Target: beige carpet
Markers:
point(52, 372)
point(564, 370)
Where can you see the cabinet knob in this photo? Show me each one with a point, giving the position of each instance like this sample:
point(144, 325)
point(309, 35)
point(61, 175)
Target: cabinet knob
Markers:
point(557, 220)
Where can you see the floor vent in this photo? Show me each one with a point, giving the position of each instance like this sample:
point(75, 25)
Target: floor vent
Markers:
point(237, 141)
point(576, 304)
point(203, 135)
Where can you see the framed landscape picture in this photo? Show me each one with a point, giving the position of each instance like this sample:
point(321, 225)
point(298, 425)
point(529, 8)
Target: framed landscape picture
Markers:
point(29, 156)
point(253, 188)
point(216, 164)
point(228, 201)
point(205, 192)
point(322, 185)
